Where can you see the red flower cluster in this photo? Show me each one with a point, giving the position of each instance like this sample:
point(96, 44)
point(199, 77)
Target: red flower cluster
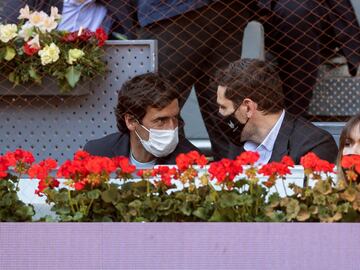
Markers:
point(85, 35)
point(351, 162)
point(101, 36)
point(165, 174)
point(274, 169)
point(21, 156)
point(248, 158)
point(85, 169)
point(73, 37)
point(225, 170)
point(185, 161)
point(312, 163)
point(4, 166)
point(30, 50)
point(20, 159)
point(42, 171)
point(124, 164)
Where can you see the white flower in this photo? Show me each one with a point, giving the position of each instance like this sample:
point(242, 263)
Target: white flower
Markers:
point(54, 13)
point(37, 18)
point(74, 55)
point(8, 32)
point(35, 42)
point(49, 54)
point(26, 31)
point(48, 24)
point(24, 13)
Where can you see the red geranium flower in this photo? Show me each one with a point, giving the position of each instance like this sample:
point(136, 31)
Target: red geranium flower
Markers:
point(4, 166)
point(224, 170)
point(165, 173)
point(124, 164)
point(101, 36)
point(311, 162)
point(288, 161)
point(100, 164)
point(46, 183)
point(184, 161)
point(79, 185)
point(351, 161)
point(19, 155)
point(41, 171)
point(30, 50)
point(248, 158)
point(81, 155)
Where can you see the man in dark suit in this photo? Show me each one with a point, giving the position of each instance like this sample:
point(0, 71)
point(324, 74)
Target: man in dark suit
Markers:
point(301, 34)
point(147, 118)
point(196, 38)
point(250, 97)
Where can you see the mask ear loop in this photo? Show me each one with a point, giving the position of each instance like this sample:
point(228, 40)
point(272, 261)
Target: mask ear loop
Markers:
point(137, 134)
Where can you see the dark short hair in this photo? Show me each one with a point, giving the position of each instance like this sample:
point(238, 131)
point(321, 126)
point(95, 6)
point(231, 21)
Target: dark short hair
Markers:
point(254, 79)
point(140, 93)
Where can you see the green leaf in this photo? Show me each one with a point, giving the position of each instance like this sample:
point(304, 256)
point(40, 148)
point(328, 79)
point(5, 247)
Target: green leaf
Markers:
point(185, 208)
point(9, 53)
point(292, 209)
point(106, 219)
point(72, 76)
point(33, 74)
point(231, 199)
point(7, 199)
point(135, 204)
point(324, 187)
point(64, 210)
point(216, 216)
point(304, 213)
point(94, 194)
point(119, 36)
point(78, 216)
point(2, 53)
point(110, 195)
point(201, 213)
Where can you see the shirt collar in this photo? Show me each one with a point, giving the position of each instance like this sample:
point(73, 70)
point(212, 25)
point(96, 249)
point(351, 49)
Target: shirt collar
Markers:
point(269, 141)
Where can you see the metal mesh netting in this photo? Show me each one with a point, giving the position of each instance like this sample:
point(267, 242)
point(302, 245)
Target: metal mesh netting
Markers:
point(315, 44)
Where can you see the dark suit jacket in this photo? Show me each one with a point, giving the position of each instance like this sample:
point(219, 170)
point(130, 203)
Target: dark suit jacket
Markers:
point(150, 11)
point(296, 138)
point(118, 144)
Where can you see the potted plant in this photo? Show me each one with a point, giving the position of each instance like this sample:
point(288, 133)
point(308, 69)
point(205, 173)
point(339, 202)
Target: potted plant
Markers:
point(34, 53)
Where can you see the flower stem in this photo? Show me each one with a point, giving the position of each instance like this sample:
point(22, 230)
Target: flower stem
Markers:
point(148, 187)
point(17, 184)
point(88, 208)
point(70, 202)
point(283, 183)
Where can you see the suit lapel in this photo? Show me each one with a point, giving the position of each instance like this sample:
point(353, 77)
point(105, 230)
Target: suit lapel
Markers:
point(281, 146)
point(122, 146)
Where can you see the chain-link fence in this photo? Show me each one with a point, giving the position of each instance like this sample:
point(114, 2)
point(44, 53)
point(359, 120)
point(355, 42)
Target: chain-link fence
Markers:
point(315, 45)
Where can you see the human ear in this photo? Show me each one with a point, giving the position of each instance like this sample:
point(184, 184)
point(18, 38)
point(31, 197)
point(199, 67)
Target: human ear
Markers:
point(251, 107)
point(130, 122)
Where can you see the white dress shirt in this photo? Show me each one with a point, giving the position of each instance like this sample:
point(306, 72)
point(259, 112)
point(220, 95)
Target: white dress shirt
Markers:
point(82, 13)
point(266, 147)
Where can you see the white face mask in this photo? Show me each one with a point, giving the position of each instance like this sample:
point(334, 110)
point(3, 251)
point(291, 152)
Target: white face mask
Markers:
point(161, 142)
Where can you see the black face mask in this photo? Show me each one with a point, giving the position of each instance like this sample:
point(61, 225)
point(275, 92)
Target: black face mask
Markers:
point(234, 130)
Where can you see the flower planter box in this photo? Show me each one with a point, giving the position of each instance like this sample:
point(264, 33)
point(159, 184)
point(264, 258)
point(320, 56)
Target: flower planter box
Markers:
point(48, 87)
point(122, 56)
